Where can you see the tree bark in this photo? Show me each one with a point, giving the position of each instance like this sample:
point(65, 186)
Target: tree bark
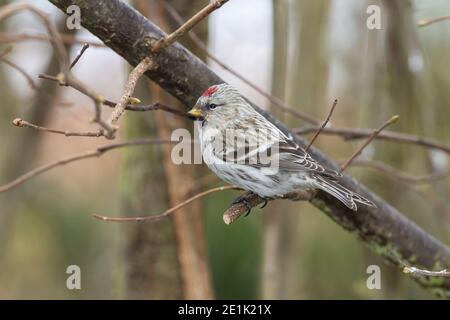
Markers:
point(384, 229)
point(152, 268)
point(188, 222)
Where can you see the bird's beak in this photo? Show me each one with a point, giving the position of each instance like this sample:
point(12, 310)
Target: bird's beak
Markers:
point(196, 112)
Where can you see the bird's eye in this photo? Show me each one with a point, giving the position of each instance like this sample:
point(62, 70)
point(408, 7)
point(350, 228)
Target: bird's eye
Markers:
point(212, 106)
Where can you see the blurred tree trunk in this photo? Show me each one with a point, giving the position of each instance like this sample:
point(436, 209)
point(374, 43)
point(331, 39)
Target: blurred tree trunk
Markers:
point(151, 266)
point(306, 84)
point(188, 222)
point(183, 239)
point(309, 70)
point(405, 95)
point(280, 52)
point(152, 270)
point(278, 230)
point(396, 85)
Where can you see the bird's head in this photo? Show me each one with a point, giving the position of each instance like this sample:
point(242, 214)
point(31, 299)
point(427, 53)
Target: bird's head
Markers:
point(220, 104)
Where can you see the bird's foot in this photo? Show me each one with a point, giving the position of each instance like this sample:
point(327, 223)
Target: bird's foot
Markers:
point(266, 201)
point(243, 198)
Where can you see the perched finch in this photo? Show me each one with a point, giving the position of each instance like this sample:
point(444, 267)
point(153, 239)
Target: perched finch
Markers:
point(245, 149)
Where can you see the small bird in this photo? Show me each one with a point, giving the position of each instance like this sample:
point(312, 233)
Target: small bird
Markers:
point(243, 148)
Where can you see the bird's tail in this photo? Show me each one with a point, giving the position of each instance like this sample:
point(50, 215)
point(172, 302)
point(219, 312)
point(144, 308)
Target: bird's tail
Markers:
point(346, 196)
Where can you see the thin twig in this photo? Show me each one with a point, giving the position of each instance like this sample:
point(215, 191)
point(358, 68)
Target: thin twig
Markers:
point(188, 25)
point(414, 270)
point(359, 133)
point(151, 107)
point(60, 80)
point(397, 174)
point(97, 99)
point(133, 78)
point(409, 181)
point(138, 108)
point(22, 71)
point(63, 58)
point(369, 140)
point(323, 125)
point(6, 37)
point(77, 58)
point(202, 46)
point(427, 22)
point(168, 212)
point(80, 156)
point(22, 123)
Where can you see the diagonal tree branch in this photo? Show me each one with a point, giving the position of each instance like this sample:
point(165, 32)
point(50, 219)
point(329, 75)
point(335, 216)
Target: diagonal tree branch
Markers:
point(384, 229)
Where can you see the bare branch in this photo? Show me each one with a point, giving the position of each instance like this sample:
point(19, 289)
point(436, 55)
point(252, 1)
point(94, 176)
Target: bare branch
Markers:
point(410, 181)
point(323, 126)
point(427, 22)
point(70, 81)
point(359, 133)
point(22, 123)
point(133, 78)
point(188, 25)
point(80, 156)
point(151, 107)
point(369, 140)
point(77, 58)
point(63, 58)
point(6, 37)
point(96, 98)
point(394, 172)
point(168, 212)
point(138, 108)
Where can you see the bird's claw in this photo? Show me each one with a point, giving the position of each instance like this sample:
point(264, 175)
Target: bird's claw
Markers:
point(264, 204)
point(243, 199)
point(248, 206)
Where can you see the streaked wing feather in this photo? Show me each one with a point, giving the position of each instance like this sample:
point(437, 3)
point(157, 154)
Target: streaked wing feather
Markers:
point(290, 156)
point(295, 158)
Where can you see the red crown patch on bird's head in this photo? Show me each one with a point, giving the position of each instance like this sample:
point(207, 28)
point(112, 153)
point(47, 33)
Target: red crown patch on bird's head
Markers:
point(210, 91)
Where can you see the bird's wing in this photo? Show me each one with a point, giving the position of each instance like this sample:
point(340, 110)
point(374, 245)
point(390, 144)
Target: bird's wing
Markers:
point(292, 157)
point(271, 148)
